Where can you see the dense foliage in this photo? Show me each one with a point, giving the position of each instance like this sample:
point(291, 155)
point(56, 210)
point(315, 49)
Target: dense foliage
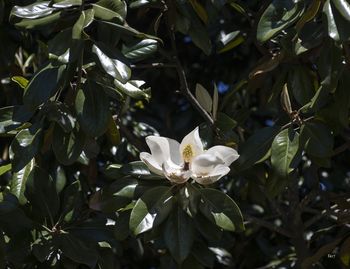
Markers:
point(84, 82)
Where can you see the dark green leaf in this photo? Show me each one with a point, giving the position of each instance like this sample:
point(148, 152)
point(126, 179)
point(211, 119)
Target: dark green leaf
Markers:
point(256, 147)
point(301, 84)
point(283, 150)
point(42, 248)
point(278, 16)
point(318, 139)
point(77, 250)
point(43, 85)
point(67, 146)
point(92, 107)
point(221, 209)
point(41, 193)
point(179, 234)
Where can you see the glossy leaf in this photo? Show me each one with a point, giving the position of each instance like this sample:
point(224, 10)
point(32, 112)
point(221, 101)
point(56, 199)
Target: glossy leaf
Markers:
point(279, 15)
point(301, 84)
point(19, 180)
point(93, 113)
point(5, 168)
point(337, 24)
point(113, 67)
point(25, 146)
point(283, 151)
point(141, 49)
point(33, 11)
point(43, 85)
point(221, 210)
point(85, 19)
point(151, 209)
point(110, 10)
point(133, 89)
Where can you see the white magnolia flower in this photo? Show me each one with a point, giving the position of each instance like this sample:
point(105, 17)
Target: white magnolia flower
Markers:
point(178, 162)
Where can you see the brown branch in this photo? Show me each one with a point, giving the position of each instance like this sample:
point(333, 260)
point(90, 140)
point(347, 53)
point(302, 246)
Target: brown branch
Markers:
point(181, 72)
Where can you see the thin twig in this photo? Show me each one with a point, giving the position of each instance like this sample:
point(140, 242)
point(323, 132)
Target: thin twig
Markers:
point(153, 65)
point(181, 72)
point(268, 225)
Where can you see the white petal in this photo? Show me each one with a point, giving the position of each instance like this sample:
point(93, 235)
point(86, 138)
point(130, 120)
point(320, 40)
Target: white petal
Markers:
point(175, 173)
point(205, 163)
point(194, 141)
point(227, 154)
point(219, 171)
point(163, 148)
point(151, 163)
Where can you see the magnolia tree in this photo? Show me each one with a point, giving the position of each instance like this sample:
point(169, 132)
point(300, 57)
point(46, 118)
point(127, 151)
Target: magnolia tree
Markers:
point(95, 94)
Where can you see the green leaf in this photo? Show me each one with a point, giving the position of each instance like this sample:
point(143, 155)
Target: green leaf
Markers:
point(132, 89)
point(141, 49)
point(40, 22)
point(77, 250)
point(151, 209)
point(12, 118)
point(42, 248)
point(71, 199)
point(256, 147)
point(113, 66)
point(41, 193)
point(204, 98)
point(221, 209)
point(110, 10)
point(179, 235)
point(92, 107)
point(33, 11)
point(318, 139)
point(278, 16)
point(337, 24)
point(67, 146)
point(5, 168)
point(343, 7)
point(283, 150)
point(113, 133)
point(225, 123)
point(10, 214)
point(85, 19)
point(43, 85)
point(61, 114)
point(25, 146)
point(19, 180)
point(301, 83)
point(21, 81)
point(66, 3)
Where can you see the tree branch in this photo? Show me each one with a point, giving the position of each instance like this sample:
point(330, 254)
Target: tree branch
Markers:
point(268, 225)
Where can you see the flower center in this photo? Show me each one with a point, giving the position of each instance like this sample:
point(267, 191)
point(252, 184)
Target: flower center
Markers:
point(187, 153)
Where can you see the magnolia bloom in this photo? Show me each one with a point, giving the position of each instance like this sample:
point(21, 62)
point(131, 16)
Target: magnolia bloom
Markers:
point(180, 161)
